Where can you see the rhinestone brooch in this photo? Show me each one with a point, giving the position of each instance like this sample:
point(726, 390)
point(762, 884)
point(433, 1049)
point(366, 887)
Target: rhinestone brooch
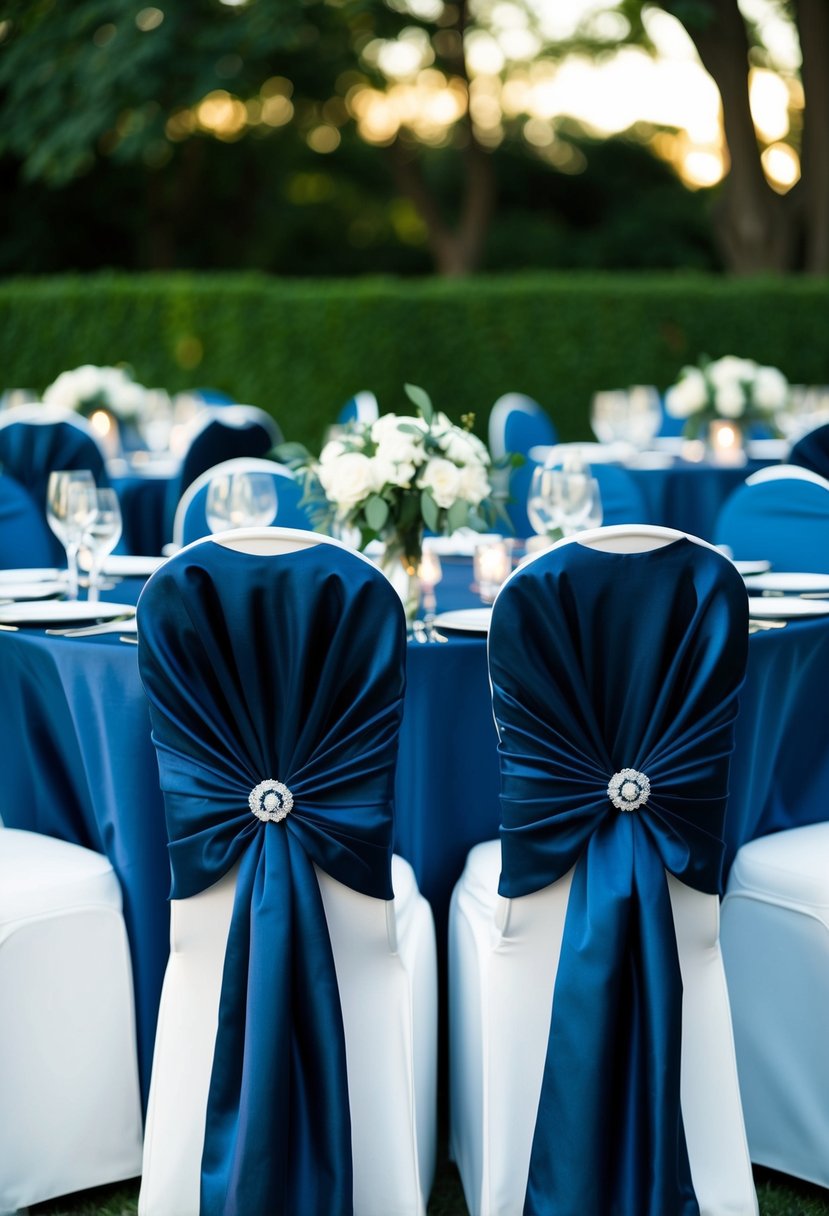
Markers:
point(271, 801)
point(628, 789)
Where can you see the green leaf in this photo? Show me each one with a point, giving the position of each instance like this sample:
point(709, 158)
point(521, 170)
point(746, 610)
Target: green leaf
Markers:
point(419, 397)
point(429, 510)
point(376, 512)
point(294, 455)
point(457, 515)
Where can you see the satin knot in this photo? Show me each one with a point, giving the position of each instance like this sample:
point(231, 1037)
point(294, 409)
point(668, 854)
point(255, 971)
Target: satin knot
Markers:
point(628, 789)
point(270, 801)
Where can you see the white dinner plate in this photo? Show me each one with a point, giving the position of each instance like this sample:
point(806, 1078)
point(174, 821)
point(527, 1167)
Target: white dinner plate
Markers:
point(786, 607)
point(33, 574)
point(31, 591)
point(789, 581)
point(747, 568)
point(768, 449)
point(465, 620)
point(51, 612)
point(128, 566)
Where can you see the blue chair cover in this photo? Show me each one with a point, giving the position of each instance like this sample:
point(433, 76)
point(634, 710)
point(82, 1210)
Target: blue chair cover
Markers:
point(575, 706)
point(622, 500)
point(25, 537)
point(217, 441)
point(289, 514)
point(812, 451)
point(291, 668)
point(785, 521)
point(362, 407)
point(524, 425)
point(30, 451)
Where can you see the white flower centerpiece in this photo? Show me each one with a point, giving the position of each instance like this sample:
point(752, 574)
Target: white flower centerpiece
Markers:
point(88, 388)
point(390, 479)
point(737, 390)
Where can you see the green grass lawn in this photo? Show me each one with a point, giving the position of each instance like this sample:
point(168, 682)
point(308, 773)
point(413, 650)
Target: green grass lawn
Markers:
point(778, 1195)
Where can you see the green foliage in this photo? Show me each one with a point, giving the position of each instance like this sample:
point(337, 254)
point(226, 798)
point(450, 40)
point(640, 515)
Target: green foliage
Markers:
point(300, 349)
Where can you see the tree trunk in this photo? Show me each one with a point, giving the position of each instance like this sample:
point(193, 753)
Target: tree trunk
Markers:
point(459, 250)
point(752, 222)
point(813, 190)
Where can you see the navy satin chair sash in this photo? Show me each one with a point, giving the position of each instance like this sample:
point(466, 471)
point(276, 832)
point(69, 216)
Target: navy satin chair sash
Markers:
point(25, 538)
point(785, 521)
point(602, 662)
point(286, 668)
point(812, 451)
point(29, 452)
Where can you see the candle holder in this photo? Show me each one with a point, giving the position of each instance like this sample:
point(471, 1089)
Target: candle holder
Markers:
point(492, 564)
point(725, 442)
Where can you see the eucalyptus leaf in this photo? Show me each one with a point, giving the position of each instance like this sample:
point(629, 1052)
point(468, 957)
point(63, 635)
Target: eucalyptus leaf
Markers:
point(457, 515)
point(429, 510)
point(419, 397)
point(376, 512)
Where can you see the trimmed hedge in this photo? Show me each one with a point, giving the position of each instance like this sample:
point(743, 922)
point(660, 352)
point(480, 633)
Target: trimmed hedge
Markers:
point(300, 348)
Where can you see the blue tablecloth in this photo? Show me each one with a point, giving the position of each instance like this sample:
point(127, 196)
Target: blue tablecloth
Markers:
point(78, 763)
point(689, 496)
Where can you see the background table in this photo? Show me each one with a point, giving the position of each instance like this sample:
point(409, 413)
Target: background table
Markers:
point(78, 763)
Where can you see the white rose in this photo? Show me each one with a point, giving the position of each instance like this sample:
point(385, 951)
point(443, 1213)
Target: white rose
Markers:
point(442, 478)
point(730, 401)
point(61, 392)
point(332, 451)
point(394, 445)
point(771, 389)
point(347, 481)
point(463, 448)
point(390, 424)
point(688, 395)
point(473, 484)
point(730, 370)
point(88, 382)
point(391, 473)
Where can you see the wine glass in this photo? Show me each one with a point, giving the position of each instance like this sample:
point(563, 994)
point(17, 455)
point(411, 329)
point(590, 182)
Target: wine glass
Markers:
point(543, 506)
point(101, 536)
point(240, 500)
point(644, 415)
point(70, 508)
point(608, 415)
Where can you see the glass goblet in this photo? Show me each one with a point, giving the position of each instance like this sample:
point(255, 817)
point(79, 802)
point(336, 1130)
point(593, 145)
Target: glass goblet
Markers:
point(70, 508)
point(100, 537)
point(240, 500)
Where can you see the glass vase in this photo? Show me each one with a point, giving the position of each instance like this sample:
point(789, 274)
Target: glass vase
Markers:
point(400, 565)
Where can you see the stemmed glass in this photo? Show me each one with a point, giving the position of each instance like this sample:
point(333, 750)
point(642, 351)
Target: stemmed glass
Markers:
point(240, 500)
point(543, 502)
point(70, 509)
point(101, 536)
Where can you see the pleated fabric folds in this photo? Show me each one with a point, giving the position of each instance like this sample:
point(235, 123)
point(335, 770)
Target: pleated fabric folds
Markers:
point(624, 666)
point(276, 679)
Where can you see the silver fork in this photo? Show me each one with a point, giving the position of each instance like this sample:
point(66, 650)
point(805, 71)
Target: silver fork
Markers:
point(113, 625)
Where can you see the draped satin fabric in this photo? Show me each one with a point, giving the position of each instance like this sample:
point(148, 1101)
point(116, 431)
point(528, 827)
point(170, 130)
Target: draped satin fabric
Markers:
point(25, 538)
point(30, 451)
point(600, 662)
point(219, 440)
point(812, 451)
point(287, 667)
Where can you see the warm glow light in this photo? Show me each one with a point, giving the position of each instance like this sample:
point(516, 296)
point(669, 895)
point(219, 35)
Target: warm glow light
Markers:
point(769, 97)
point(100, 422)
point(484, 56)
point(222, 114)
point(276, 110)
point(323, 139)
point(782, 166)
point(702, 166)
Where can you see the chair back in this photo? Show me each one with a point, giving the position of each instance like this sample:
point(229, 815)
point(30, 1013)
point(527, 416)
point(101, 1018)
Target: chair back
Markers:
point(36, 440)
point(273, 661)
point(219, 433)
point(190, 521)
point(812, 451)
point(517, 423)
point(615, 662)
point(783, 518)
point(25, 537)
point(362, 407)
